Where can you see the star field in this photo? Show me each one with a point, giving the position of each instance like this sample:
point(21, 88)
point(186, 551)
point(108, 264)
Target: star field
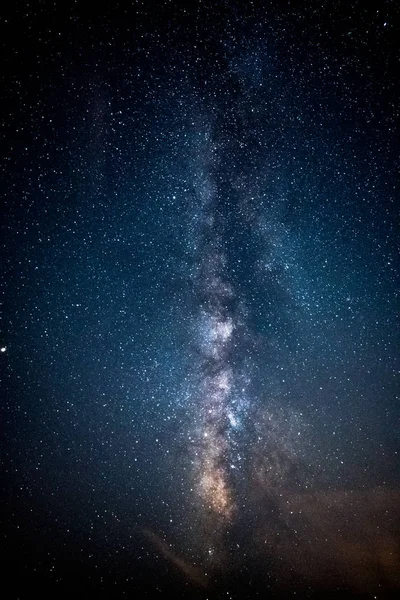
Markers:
point(199, 341)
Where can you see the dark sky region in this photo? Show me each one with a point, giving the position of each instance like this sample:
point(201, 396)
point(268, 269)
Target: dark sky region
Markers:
point(199, 338)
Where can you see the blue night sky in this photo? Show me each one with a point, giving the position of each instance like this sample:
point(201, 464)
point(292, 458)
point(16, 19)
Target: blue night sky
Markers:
point(199, 341)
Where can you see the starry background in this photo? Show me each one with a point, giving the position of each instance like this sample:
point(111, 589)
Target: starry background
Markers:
point(199, 336)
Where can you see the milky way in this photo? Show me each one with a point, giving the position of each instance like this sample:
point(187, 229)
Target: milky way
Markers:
point(215, 333)
point(234, 444)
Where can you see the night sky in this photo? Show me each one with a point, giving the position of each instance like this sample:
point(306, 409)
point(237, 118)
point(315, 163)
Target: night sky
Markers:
point(199, 334)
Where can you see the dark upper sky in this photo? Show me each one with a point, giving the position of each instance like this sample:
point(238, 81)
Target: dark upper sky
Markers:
point(199, 338)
